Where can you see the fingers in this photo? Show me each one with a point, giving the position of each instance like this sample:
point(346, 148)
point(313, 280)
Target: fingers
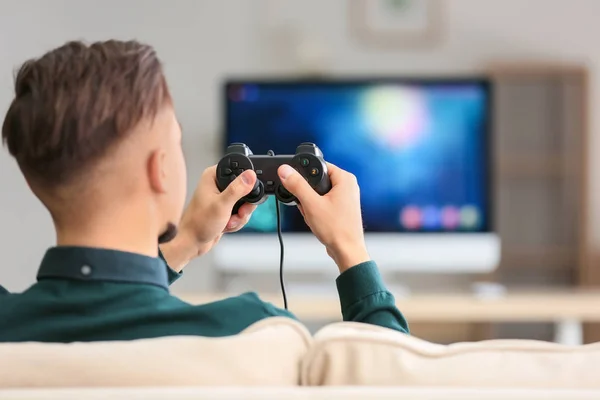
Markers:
point(246, 210)
point(301, 210)
point(208, 181)
point(211, 171)
point(296, 184)
point(237, 221)
point(235, 224)
point(338, 175)
point(241, 186)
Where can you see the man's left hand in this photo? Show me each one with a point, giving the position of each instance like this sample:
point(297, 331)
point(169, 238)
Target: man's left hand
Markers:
point(208, 217)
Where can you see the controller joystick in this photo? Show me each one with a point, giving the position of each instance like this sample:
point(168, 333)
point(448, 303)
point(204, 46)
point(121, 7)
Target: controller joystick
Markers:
point(308, 161)
point(283, 195)
point(257, 193)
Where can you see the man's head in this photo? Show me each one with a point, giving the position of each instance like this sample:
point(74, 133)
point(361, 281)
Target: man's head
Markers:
point(94, 132)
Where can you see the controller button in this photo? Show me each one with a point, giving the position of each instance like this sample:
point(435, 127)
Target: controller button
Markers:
point(234, 164)
point(232, 177)
point(239, 171)
point(259, 172)
point(314, 171)
point(304, 162)
point(270, 183)
point(227, 171)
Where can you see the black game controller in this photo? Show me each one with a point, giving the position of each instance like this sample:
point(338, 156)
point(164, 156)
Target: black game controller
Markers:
point(308, 161)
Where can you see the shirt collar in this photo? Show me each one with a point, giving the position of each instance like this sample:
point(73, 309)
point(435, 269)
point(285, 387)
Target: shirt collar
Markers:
point(94, 264)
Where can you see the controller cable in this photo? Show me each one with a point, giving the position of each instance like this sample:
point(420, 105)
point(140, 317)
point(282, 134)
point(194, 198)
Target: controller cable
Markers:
point(281, 252)
point(281, 248)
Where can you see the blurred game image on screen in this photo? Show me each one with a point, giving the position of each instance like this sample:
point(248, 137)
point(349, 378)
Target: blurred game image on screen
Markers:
point(418, 149)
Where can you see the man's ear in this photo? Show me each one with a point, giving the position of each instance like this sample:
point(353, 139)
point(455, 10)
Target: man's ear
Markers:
point(157, 174)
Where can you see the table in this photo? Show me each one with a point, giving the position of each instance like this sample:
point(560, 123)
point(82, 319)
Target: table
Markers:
point(568, 309)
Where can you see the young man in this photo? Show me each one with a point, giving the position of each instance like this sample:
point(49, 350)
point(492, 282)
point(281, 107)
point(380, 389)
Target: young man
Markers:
point(95, 134)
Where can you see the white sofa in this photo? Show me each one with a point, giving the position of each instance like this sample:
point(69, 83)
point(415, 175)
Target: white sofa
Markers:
point(277, 358)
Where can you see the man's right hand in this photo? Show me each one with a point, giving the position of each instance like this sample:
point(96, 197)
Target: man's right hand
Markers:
point(208, 216)
point(334, 218)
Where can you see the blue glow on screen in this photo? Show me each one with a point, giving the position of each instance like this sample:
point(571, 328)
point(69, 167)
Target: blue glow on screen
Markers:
point(418, 150)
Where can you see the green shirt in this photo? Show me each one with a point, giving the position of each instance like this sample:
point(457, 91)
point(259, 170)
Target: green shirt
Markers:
point(87, 294)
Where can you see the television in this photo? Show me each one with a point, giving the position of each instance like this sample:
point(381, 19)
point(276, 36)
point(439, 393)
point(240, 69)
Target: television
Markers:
point(419, 148)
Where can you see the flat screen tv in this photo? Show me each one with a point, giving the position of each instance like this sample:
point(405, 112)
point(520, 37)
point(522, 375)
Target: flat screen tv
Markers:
point(420, 149)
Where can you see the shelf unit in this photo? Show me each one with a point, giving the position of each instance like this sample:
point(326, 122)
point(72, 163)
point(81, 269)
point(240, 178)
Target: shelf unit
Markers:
point(541, 180)
point(541, 176)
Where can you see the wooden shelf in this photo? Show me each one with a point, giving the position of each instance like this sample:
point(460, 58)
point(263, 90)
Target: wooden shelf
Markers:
point(539, 255)
point(532, 167)
point(528, 70)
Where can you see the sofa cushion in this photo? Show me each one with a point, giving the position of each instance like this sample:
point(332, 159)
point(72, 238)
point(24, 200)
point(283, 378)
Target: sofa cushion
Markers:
point(357, 354)
point(267, 353)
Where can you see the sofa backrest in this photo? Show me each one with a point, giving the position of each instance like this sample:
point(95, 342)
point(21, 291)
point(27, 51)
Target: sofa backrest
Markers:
point(357, 354)
point(280, 352)
point(267, 353)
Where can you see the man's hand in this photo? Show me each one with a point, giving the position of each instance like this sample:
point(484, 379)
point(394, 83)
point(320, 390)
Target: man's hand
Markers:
point(208, 216)
point(334, 218)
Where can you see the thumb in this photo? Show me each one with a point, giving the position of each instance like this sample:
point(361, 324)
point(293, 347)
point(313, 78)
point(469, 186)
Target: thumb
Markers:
point(241, 186)
point(296, 184)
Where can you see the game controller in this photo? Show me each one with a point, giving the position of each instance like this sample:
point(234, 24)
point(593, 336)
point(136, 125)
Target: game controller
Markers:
point(308, 161)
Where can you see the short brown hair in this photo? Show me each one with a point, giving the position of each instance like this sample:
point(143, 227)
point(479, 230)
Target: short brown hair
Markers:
point(76, 101)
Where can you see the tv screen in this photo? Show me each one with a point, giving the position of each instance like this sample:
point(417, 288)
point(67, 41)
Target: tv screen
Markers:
point(419, 148)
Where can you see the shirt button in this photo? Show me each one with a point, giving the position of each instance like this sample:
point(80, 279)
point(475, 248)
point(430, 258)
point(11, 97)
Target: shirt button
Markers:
point(86, 270)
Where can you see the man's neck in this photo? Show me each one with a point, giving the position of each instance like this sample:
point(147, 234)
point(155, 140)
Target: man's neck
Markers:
point(110, 233)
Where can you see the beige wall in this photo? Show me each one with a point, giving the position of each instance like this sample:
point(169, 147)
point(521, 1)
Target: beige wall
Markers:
point(201, 41)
